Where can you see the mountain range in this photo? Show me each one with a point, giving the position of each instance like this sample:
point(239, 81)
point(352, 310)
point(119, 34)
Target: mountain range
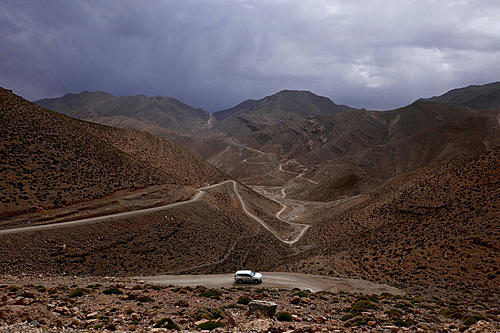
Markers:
point(408, 196)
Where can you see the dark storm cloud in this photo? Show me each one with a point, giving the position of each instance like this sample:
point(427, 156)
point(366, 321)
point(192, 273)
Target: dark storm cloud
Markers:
point(213, 54)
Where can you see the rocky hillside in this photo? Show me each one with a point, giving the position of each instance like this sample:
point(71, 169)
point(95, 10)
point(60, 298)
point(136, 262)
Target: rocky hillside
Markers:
point(165, 112)
point(254, 115)
point(481, 97)
point(51, 160)
point(435, 230)
point(69, 304)
point(350, 152)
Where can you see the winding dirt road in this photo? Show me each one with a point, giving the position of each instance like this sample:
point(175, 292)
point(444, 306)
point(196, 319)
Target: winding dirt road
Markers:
point(311, 282)
point(196, 197)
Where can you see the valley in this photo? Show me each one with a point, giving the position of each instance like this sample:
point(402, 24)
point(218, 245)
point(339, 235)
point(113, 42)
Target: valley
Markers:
point(324, 197)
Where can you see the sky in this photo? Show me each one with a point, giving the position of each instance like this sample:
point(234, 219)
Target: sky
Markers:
point(213, 54)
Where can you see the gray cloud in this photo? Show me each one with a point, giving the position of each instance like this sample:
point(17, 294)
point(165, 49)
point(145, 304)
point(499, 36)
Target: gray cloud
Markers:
point(214, 54)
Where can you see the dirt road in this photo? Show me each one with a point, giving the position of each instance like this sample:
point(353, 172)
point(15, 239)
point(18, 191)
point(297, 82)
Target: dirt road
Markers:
point(196, 197)
point(313, 283)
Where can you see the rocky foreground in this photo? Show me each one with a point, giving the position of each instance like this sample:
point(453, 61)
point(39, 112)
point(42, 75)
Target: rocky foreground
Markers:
point(109, 304)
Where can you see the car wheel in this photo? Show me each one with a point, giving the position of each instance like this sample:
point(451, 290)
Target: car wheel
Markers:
point(256, 282)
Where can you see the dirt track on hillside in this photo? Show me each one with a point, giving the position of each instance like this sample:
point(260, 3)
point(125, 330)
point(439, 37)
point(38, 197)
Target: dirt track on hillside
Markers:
point(313, 283)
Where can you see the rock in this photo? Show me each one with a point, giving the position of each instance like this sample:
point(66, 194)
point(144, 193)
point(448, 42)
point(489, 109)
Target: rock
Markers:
point(91, 315)
point(230, 320)
point(295, 300)
point(131, 328)
point(61, 310)
point(21, 301)
point(371, 323)
point(4, 298)
point(320, 320)
point(196, 323)
point(182, 303)
point(349, 322)
point(480, 327)
point(76, 322)
point(135, 316)
point(263, 307)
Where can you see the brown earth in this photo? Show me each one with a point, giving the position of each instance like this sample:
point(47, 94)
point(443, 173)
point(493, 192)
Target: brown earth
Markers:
point(435, 230)
point(55, 304)
point(49, 160)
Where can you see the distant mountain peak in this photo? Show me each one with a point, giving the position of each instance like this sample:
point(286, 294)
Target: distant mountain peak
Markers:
point(481, 97)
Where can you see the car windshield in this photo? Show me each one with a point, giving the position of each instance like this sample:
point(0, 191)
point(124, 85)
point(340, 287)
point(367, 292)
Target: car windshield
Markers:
point(252, 273)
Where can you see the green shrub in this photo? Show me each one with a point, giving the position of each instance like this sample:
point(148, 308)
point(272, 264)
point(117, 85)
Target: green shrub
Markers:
point(210, 325)
point(357, 321)
point(207, 313)
point(471, 320)
point(112, 291)
point(26, 294)
point(403, 323)
point(244, 300)
point(404, 306)
point(346, 317)
point(144, 299)
point(211, 293)
point(41, 289)
point(362, 305)
point(77, 293)
point(452, 313)
point(302, 293)
point(394, 313)
point(166, 323)
point(111, 327)
point(284, 316)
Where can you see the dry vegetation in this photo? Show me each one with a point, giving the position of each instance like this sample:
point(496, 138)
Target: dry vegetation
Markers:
point(436, 230)
point(49, 160)
point(118, 304)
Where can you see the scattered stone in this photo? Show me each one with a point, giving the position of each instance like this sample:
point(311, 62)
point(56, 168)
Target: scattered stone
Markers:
point(21, 301)
point(92, 315)
point(481, 326)
point(265, 308)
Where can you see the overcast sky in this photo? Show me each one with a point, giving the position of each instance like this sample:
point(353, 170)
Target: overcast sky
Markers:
point(213, 54)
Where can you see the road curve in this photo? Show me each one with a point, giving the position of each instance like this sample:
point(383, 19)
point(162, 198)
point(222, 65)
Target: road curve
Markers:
point(194, 198)
point(314, 283)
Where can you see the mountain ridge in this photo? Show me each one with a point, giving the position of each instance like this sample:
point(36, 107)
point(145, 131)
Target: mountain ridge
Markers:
point(481, 97)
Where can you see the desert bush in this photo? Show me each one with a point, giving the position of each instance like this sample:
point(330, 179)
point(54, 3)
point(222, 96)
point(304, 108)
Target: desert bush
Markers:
point(302, 293)
point(211, 293)
point(211, 325)
point(78, 292)
point(362, 305)
point(182, 303)
point(244, 300)
point(144, 299)
point(166, 323)
point(471, 320)
point(403, 323)
point(284, 316)
point(112, 291)
point(207, 313)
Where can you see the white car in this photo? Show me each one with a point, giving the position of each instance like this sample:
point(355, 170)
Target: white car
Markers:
point(247, 276)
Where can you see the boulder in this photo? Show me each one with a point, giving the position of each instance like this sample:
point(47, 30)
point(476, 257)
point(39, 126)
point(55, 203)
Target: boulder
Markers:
point(480, 327)
point(263, 307)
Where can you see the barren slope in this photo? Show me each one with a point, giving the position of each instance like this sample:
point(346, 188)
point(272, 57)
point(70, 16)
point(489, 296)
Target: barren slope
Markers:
point(51, 160)
point(436, 229)
point(161, 111)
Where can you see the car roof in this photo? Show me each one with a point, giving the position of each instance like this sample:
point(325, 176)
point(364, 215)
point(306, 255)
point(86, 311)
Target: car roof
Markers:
point(244, 271)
